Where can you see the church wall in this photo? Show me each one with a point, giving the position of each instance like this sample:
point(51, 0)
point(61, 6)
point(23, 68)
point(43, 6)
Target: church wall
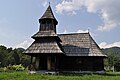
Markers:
point(81, 63)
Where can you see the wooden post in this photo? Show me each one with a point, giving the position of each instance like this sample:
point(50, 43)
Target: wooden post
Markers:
point(55, 63)
point(31, 59)
point(37, 63)
point(48, 63)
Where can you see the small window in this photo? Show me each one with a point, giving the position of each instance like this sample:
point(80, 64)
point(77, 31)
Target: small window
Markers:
point(48, 25)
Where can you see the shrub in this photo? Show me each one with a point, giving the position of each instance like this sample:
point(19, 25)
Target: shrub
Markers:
point(16, 67)
point(1, 69)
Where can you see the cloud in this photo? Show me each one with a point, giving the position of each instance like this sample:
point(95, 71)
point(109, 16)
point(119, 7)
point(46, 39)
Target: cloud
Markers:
point(110, 15)
point(106, 45)
point(79, 31)
point(107, 10)
point(65, 31)
point(45, 3)
point(25, 44)
point(68, 6)
point(82, 31)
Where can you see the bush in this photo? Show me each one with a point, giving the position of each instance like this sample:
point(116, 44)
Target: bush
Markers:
point(16, 67)
point(1, 69)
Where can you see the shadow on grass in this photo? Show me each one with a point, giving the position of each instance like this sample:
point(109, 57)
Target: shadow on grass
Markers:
point(82, 74)
point(110, 74)
point(70, 73)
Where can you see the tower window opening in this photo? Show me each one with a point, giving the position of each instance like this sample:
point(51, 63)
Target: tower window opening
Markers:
point(48, 25)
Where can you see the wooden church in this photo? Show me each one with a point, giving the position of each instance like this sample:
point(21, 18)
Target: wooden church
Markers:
point(63, 52)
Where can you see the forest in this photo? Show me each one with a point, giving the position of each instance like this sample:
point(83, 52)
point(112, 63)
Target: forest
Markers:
point(112, 62)
point(10, 56)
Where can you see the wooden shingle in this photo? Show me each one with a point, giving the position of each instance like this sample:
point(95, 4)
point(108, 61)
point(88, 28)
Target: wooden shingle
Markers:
point(44, 46)
point(79, 44)
point(49, 15)
point(44, 34)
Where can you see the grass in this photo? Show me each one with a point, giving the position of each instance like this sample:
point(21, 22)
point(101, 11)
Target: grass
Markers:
point(22, 75)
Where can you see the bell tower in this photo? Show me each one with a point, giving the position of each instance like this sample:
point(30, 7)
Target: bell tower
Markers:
point(47, 45)
point(48, 21)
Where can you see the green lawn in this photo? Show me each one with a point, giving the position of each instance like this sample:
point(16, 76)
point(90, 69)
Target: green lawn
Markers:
point(26, 76)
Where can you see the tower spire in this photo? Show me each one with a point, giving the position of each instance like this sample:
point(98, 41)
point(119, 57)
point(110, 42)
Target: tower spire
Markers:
point(49, 15)
point(48, 22)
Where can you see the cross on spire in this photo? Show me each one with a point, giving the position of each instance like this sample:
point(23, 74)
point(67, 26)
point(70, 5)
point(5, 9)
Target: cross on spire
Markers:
point(49, 3)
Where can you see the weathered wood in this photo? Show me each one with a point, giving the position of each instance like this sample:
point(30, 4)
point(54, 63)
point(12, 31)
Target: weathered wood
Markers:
point(48, 63)
point(49, 15)
point(80, 63)
point(31, 60)
point(37, 63)
point(74, 52)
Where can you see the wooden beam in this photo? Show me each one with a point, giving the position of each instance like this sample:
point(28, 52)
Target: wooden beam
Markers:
point(48, 63)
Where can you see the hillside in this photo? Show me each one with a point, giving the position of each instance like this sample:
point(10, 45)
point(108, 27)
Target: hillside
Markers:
point(112, 51)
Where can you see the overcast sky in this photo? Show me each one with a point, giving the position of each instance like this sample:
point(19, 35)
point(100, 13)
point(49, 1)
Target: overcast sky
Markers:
point(19, 20)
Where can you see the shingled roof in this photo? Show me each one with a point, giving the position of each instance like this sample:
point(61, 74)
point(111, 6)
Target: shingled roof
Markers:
point(44, 34)
point(48, 15)
point(79, 44)
point(41, 46)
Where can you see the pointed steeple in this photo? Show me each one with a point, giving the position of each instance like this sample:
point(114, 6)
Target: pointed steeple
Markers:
point(47, 24)
point(48, 15)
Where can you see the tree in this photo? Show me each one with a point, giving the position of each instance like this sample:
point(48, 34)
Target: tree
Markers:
point(13, 56)
point(112, 62)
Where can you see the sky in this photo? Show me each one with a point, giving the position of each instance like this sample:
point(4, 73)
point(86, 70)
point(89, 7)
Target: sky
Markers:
point(19, 20)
